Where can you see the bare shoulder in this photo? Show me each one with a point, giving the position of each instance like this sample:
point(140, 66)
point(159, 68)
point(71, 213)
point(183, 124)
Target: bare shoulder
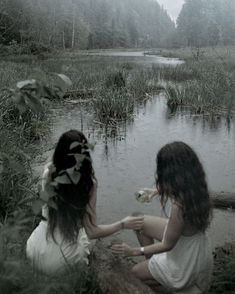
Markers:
point(176, 211)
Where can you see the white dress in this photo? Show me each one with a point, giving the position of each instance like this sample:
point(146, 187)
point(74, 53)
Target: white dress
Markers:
point(187, 268)
point(52, 257)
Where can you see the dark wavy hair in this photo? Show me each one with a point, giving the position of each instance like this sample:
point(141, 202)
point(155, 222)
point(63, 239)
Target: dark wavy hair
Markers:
point(181, 177)
point(71, 199)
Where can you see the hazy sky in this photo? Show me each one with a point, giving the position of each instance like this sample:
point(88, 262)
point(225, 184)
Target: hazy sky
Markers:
point(172, 6)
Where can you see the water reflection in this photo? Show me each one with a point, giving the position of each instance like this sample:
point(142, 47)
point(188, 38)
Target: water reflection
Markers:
point(124, 155)
point(139, 57)
point(207, 122)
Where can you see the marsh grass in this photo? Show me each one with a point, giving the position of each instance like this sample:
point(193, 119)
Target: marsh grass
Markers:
point(224, 270)
point(112, 105)
point(206, 85)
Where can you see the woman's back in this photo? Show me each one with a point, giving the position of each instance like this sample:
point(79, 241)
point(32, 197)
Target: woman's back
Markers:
point(60, 238)
point(53, 254)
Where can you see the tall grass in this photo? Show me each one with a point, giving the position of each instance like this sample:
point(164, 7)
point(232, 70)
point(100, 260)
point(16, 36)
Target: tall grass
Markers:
point(224, 270)
point(18, 132)
point(113, 105)
point(209, 86)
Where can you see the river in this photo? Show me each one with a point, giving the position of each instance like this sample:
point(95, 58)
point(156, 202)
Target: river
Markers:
point(124, 158)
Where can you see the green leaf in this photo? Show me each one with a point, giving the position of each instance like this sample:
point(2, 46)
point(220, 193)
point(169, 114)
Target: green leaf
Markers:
point(90, 146)
point(63, 179)
point(27, 84)
point(51, 203)
point(74, 145)
point(63, 82)
point(79, 157)
point(33, 103)
point(22, 108)
point(65, 79)
point(18, 98)
point(75, 177)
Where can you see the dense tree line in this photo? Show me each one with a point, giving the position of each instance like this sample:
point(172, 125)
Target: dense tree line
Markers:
point(84, 23)
point(207, 23)
point(88, 24)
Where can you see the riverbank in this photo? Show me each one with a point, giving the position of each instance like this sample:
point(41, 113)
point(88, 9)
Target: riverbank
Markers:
point(205, 81)
point(117, 187)
point(114, 273)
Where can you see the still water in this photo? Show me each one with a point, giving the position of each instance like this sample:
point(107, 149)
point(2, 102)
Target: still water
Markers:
point(140, 57)
point(124, 155)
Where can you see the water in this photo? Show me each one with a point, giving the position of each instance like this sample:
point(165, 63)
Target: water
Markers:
point(140, 57)
point(126, 162)
point(124, 158)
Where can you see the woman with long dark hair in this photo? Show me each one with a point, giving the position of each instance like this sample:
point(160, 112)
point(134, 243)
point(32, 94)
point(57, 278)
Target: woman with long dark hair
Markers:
point(63, 237)
point(181, 260)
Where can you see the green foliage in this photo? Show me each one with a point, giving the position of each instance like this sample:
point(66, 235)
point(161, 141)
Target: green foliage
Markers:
point(70, 175)
point(224, 270)
point(207, 85)
point(22, 119)
point(207, 22)
point(113, 105)
point(115, 80)
point(35, 26)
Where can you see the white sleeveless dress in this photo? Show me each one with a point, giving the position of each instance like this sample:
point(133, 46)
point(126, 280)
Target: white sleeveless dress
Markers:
point(52, 257)
point(187, 268)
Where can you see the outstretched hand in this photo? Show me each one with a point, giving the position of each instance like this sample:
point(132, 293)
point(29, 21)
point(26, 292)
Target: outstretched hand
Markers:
point(133, 222)
point(122, 249)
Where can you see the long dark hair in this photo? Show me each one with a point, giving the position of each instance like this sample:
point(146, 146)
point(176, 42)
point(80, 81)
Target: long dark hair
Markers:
point(181, 177)
point(71, 199)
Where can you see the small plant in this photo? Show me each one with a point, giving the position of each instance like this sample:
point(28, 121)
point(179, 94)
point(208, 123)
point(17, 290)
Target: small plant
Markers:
point(224, 270)
point(113, 105)
point(115, 81)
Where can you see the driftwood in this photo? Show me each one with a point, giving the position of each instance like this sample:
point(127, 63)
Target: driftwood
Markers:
point(223, 199)
point(113, 274)
point(84, 93)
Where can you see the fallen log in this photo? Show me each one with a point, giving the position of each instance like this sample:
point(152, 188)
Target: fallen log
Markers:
point(84, 93)
point(113, 274)
point(223, 199)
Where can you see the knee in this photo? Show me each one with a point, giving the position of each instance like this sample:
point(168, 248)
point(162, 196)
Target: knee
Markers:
point(136, 271)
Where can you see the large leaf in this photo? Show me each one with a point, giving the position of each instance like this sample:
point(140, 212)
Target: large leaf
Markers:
point(18, 98)
point(74, 145)
point(63, 82)
point(74, 174)
point(27, 84)
point(65, 79)
point(33, 102)
point(63, 179)
point(75, 177)
point(51, 203)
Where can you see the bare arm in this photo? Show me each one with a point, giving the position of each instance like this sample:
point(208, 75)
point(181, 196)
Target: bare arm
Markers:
point(171, 235)
point(95, 231)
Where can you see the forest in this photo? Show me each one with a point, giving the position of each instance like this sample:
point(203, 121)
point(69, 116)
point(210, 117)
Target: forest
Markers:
point(132, 79)
point(92, 24)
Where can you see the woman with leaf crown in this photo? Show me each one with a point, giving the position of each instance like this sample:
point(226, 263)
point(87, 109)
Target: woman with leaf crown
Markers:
point(68, 198)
